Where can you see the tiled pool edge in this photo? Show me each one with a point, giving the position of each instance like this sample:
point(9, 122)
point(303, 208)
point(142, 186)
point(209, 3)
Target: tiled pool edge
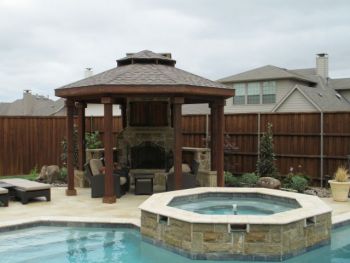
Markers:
point(340, 220)
point(70, 222)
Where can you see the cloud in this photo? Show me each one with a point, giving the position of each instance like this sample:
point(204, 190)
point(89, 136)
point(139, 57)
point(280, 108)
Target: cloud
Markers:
point(47, 44)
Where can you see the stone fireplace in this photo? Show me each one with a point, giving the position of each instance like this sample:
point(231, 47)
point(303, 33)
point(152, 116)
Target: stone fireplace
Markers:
point(147, 140)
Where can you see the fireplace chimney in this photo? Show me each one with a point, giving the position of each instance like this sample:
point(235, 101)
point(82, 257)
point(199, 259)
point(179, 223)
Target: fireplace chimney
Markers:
point(88, 72)
point(322, 65)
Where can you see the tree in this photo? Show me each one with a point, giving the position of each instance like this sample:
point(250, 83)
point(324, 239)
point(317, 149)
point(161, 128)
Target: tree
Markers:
point(266, 161)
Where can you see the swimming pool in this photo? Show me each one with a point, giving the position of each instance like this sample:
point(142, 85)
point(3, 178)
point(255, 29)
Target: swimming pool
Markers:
point(103, 245)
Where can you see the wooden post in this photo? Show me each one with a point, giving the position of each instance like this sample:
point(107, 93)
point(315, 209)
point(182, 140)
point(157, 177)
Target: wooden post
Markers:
point(81, 135)
point(109, 193)
point(177, 122)
point(220, 143)
point(70, 147)
point(213, 135)
point(217, 140)
point(124, 117)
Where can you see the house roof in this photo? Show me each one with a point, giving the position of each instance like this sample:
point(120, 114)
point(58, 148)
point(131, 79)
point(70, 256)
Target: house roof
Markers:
point(340, 84)
point(322, 92)
point(144, 72)
point(30, 105)
point(268, 72)
point(321, 96)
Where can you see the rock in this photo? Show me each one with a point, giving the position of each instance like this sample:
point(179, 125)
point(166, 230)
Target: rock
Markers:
point(49, 174)
point(269, 182)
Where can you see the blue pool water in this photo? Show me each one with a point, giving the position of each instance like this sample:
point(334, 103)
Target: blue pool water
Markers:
point(105, 245)
point(220, 205)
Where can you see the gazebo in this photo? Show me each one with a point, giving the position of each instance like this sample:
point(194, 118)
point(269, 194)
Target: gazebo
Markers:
point(150, 91)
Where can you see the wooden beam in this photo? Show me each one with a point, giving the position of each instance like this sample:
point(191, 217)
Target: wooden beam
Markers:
point(142, 90)
point(177, 122)
point(70, 147)
point(81, 135)
point(109, 191)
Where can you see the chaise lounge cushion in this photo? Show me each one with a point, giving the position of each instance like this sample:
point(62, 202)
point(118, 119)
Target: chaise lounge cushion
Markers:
point(96, 166)
point(3, 191)
point(26, 185)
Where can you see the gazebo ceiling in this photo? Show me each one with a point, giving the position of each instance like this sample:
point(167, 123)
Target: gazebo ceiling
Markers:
point(147, 74)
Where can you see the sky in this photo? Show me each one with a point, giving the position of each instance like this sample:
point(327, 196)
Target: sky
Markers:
point(47, 44)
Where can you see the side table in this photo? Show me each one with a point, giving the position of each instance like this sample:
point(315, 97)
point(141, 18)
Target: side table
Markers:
point(143, 184)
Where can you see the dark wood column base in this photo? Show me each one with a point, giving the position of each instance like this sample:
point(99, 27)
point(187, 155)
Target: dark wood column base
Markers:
point(71, 192)
point(109, 199)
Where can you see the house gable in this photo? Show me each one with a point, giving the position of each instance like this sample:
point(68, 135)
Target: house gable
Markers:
point(296, 101)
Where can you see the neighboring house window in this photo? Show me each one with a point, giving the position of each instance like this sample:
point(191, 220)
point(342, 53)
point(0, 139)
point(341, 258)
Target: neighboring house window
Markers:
point(269, 92)
point(239, 97)
point(253, 93)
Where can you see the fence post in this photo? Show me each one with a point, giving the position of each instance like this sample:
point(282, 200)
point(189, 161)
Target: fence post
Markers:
point(321, 147)
point(259, 124)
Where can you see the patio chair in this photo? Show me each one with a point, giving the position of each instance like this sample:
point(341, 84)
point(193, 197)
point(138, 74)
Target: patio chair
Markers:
point(189, 179)
point(26, 189)
point(4, 196)
point(97, 179)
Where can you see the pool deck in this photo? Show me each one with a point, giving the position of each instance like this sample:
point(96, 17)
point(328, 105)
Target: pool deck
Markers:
point(83, 208)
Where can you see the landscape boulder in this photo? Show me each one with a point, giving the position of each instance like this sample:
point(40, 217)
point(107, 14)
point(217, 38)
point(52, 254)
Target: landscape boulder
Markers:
point(49, 174)
point(269, 182)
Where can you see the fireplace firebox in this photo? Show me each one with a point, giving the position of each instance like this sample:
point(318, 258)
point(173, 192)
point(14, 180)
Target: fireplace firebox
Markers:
point(148, 155)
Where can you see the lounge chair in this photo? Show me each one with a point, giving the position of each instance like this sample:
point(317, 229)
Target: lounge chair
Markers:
point(26, 190)
point(97, 179)
point(189, 178)
point(4, 196)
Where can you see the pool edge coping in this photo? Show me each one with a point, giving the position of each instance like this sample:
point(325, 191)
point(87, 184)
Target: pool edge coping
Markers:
point(69, 221)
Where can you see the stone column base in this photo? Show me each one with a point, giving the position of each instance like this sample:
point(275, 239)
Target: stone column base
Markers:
point(79, 179)
point(109, 199)
point(207, 178)
point(71, 192)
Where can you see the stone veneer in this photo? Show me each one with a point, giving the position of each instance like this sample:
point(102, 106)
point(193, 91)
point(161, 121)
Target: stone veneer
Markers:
point(274, 237)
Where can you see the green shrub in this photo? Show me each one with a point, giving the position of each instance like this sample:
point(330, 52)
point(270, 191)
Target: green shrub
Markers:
point(287, 181)
point(34, 172)
point(64, 145)
point(266, 162)
point(63, 174)
point(249, 179)
point(231, 180)
point(298, 183)
point(93, 140)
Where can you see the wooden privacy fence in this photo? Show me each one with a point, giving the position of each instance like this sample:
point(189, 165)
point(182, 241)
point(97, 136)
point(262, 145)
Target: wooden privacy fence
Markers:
point(315, 143)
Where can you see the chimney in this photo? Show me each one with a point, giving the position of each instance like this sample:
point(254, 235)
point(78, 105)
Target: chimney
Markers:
point(28, 101)
point(88, 72)
point(322, 65)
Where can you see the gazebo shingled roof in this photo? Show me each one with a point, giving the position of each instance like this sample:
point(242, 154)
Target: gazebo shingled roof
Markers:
point(147, 75)
point(145, 69)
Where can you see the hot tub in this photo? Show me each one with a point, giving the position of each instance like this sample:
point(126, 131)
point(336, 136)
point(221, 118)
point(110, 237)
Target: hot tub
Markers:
point(236, 223)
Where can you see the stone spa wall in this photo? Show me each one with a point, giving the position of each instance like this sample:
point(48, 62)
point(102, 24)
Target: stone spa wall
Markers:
point(272, 242)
